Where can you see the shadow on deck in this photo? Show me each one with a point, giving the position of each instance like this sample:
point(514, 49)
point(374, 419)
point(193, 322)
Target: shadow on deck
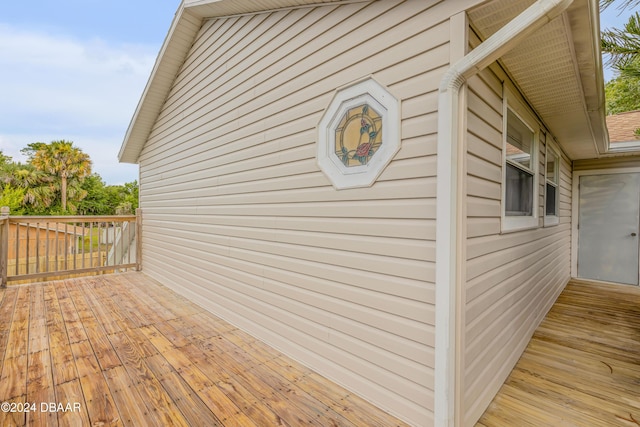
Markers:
point(125, 350)
point(582, 366)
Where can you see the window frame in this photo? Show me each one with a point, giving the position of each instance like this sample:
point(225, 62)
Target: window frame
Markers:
point(512, 103)
point(364, 91)
point(552, 150)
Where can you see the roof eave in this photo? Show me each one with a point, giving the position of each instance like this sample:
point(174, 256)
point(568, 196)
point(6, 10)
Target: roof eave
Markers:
point(177, 43)
point(589, 58)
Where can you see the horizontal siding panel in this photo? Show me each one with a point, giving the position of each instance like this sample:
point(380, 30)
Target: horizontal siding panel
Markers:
point(494, 285)
point(417, 146)
point(215, 70)
point(484, 131)
point(405, 209)
point(425, 81)
point(479, 207)
point(482, 226)
point(323, 310)
point(489, 110)
point(487, 89)
point(487, 152)
point(607, 163)
point(246, 248)
point(535, 241)
point(253, 149)
point(483, 188)
point(390, 190)
point(219, 37)
point(374, 227)
point(266, 47)
point(362, 279)
point(481, 168)
point(477, 247)
point(383, 246)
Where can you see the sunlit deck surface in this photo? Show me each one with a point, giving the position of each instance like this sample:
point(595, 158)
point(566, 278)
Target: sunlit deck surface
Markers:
point(131, 352)
point(582, 367)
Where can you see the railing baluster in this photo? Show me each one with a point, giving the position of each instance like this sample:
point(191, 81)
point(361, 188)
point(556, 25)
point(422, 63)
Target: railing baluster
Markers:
point(46, 247)
point(91, 244)
point(111, 248)
point(83, 242)
point(138, 236)
point(57, 248)
point(75, 246)
point(99, 242)
point(129, 226)
point(17, 247)
point(37, 247)
point(28, 241)
point(4, 245)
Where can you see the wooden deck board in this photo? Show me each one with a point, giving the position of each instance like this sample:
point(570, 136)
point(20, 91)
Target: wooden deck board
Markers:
point(582, 366)
point(130, 352)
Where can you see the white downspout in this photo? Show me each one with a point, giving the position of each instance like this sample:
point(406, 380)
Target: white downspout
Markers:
point(449, 182)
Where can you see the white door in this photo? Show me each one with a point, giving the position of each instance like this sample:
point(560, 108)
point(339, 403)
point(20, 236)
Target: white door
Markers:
point(609, 218)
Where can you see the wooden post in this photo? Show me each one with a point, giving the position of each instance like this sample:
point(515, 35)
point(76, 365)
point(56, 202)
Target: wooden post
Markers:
point(139, 239)
point(4, 245)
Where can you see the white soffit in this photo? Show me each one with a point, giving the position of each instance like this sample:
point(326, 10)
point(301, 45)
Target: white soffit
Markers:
point(559, 71)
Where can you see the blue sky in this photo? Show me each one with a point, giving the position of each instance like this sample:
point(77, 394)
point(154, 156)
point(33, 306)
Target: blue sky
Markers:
point(75, 70)
point(614, 17)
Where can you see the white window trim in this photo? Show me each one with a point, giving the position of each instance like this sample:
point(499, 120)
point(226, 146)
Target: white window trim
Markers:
point(517, 223)
point(366, 90)
point(551, 147)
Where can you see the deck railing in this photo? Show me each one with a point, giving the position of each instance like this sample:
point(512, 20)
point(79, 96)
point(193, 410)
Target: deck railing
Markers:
point(46, 247)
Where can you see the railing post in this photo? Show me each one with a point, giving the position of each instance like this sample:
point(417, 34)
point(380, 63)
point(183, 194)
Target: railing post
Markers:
point(139, 239)
point(4, 245)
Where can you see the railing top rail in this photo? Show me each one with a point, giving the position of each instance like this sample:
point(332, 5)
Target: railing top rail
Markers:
point(71, 218)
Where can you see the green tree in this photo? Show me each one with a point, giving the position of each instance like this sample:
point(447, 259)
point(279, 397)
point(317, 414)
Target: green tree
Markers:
point(66, 162)
point(13, 198)
point(38, 188)
point(97, 201)
point(31, 149)
point(622, 94)
point(105, 199)
point(4, 160)
point(128, 195)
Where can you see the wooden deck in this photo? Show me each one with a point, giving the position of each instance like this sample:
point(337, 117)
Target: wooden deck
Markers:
point(582, 366)
point(124, 350)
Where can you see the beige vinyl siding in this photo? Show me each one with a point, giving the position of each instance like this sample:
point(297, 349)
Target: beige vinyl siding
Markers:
point(238, 216)
point(607, 163)
point(512, 278)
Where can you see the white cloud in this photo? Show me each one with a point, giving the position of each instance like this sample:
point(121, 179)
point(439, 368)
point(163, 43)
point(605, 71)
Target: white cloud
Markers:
point(55, 87)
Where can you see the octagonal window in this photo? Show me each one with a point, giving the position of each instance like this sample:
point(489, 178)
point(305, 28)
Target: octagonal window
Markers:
point(358, 134)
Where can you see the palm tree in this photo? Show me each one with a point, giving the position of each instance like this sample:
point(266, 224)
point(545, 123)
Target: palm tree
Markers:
point(623, 44)
point(39, 188)
point(63, 160)
point(623, 47)
point(623, 4)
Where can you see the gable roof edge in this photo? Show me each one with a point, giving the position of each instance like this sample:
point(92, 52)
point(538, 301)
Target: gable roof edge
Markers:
point(179, 39)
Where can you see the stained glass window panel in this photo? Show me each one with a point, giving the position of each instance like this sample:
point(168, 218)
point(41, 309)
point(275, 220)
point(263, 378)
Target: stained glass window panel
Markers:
point(358, 135)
